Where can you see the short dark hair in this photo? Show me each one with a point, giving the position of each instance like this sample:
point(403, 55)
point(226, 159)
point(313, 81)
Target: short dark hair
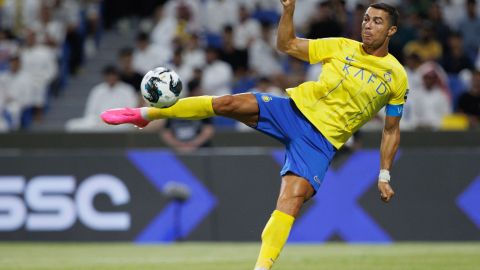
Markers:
point(110, 70)
point(392, 12)
point(126, 51)
point(142, 36)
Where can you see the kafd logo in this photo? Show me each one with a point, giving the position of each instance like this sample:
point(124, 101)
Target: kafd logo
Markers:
point(55, 203)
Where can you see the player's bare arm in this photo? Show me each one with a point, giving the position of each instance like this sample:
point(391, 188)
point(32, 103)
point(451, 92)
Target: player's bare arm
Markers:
point(388, 149)
point(287, 42)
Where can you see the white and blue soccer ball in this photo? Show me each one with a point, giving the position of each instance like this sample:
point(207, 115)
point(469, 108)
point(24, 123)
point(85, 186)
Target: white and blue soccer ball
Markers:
point(161, 87)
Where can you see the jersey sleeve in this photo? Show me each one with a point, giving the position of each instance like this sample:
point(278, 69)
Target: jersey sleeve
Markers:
point(323, 48)
point(399, 96)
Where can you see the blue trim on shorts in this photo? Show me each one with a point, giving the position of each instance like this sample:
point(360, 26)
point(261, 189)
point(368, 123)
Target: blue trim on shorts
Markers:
point(308, 152)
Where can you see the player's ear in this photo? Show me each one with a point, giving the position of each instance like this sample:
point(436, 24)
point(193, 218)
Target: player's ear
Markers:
point(391, 31)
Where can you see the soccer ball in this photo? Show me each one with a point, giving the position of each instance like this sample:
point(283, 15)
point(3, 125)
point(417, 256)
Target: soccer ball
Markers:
point(161, 87)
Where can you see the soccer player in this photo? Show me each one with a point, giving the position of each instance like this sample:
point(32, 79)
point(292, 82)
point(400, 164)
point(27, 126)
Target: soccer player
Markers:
point(357, 80)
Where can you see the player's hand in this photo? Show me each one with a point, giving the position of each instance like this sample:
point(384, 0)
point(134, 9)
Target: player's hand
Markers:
point(288, 3)
point(386, 191)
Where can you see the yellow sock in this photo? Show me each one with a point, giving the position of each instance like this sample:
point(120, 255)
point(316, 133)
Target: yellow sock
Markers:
point(274, 237)
point(191, 108)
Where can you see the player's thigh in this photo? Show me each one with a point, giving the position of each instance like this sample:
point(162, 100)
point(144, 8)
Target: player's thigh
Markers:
point(294, 191)
point(241, 107)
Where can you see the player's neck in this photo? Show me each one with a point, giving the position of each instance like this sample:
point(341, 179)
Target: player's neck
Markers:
point(381, 51)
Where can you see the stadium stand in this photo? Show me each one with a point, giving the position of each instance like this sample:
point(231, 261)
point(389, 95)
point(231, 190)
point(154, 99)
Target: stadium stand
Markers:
point(94, 31)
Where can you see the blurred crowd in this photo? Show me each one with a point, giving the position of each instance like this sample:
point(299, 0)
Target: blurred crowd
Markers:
point(42, 42)
point(228, 46)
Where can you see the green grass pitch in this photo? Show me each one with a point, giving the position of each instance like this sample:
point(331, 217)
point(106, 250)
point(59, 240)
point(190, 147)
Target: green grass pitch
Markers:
point(233, 256)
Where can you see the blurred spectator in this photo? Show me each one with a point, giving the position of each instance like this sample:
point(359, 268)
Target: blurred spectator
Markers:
point(324, 23)
point(68, 12)
point(270, 5)
point(4, 126)
point(412, 64)
point(341, 14)
point(237, 58)
point(48, 31)
point(112, 93)
point(173, 25)
point(420, 6)
point(263, 57)
point(8, 48)
point(470, 29)
point(18, 14)
point(217, 75)
point(426, 46)
point(183, 70)
point(247, 29)
point(185, 25)
point(469, 102)
point(304, 13)
point(115, 10)
point(441, 29)
point(414, 75)
point(192, 7)
point(453, 12)
point(408, 25)
point(127, 73)
point(429, 102)
point(186, 136)
point(41, 64)
point(148, 56)
point(477, 62)
point(455, 59)
point(220, 13)
point(17, 88)
point(164, 30)
point(194, 54)
point(93, 10)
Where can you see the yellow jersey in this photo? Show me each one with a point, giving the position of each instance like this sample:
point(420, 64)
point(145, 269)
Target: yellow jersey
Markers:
point(352, 87)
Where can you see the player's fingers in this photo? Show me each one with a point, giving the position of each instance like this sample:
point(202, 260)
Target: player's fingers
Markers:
point(385, 197)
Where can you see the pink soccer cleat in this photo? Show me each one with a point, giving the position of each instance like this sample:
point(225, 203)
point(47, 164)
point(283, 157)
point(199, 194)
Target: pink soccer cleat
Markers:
point(124, 116)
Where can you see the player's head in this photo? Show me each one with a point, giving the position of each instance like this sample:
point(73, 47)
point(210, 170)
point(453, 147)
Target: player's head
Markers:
point(110, 75)
point(379, 24)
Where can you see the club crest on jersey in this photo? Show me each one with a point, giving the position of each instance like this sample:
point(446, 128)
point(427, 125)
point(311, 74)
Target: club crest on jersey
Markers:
point(266, 98)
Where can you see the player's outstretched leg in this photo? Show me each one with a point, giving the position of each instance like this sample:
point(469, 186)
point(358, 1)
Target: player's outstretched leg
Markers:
point(294, 192)
point(186, 108)
point(242, 107)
